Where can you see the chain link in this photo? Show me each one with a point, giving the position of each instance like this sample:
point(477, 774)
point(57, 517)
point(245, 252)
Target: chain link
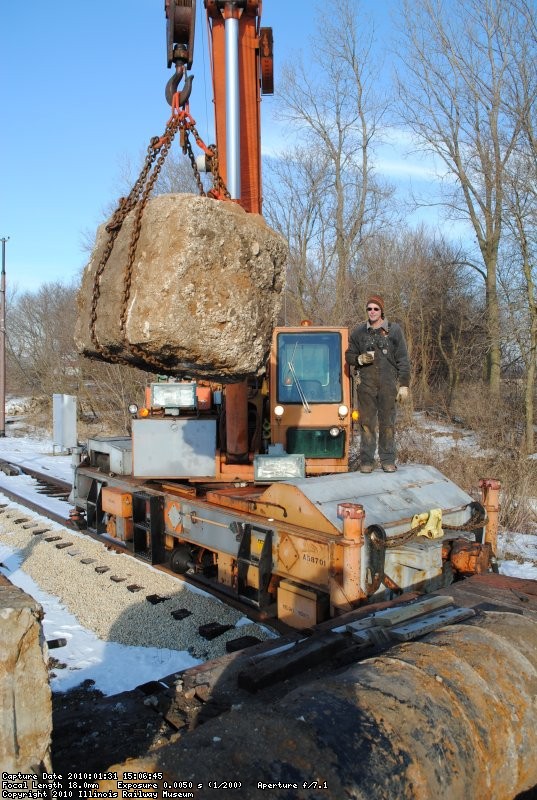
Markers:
point(137, 199)
point(126, 204)
point(187, 149)
point(475, 521)
point(220, 190)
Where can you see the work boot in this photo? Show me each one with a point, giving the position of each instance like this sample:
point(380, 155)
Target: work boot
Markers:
point(367, 468)
point(389, 467)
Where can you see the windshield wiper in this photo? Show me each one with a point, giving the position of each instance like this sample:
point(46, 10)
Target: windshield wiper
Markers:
point(299, 387)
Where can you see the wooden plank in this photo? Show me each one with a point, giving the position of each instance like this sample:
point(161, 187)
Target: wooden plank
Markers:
point(361, 624)
point(394, 616)
point(430, 622)
point(306, 653)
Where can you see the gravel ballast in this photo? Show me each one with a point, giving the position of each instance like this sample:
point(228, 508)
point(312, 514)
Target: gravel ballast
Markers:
point(107, 607)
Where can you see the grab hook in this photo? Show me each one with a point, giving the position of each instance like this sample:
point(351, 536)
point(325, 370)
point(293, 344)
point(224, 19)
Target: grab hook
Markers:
point(173, 83)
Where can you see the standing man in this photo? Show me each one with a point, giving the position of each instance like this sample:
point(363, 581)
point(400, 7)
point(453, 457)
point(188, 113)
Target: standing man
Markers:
point(377, 348)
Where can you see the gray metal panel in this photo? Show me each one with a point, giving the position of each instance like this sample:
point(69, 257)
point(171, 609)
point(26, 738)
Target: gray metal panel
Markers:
point(417, 562)
point(64, 433)
point(211, 528)
point(388, 498)
point(119, 450)
point(176, 448)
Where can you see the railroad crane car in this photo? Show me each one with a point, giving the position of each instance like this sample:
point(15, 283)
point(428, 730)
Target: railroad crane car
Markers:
point(247, 484)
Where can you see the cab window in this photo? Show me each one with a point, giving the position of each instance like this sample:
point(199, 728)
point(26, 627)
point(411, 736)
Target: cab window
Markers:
point(309, 367)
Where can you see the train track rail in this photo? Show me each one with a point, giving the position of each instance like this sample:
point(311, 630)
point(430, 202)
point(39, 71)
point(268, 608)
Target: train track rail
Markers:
point(45, 485)
point(49, 486)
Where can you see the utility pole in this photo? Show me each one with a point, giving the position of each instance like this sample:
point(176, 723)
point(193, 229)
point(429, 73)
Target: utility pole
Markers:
point(3, 340)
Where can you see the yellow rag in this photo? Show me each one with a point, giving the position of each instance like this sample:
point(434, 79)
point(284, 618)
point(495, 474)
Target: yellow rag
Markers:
point(433, 520)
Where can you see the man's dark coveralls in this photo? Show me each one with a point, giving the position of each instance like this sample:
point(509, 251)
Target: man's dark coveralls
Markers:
point(378, 382)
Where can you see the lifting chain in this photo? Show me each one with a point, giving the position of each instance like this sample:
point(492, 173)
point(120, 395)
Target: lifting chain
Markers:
point(137, 199)
point(396, 541)
point(186, 147)
point(476, 521)
point(219, 187)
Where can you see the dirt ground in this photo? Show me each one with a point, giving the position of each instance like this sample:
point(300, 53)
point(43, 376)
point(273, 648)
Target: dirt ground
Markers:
point(91, 731)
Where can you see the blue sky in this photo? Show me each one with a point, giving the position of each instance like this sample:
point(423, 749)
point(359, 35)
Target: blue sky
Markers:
point(83, 91)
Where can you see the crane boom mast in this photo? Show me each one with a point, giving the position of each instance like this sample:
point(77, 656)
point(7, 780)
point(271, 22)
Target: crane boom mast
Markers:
point(236, 75)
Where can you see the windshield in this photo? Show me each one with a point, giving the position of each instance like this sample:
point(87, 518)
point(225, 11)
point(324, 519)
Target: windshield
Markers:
point(309, 367)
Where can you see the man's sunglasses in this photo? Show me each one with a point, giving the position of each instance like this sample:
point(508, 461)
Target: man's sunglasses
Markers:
point(372, 308)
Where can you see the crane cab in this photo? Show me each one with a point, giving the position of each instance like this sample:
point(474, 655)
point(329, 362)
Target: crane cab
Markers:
point(310, 408)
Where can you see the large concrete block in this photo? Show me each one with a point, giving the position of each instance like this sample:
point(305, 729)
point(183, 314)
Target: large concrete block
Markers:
point(25, 696)
point(206, 290)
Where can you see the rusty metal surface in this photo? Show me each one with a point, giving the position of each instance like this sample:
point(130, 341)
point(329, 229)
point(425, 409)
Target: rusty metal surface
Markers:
point(469, 557)
point(451, 716)
point(496, 592)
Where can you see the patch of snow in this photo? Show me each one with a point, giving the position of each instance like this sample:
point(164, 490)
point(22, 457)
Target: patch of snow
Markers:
point(17, 405)
point(113, 667)
point(445, 435)
point(526, 570)
point(518, 554)
point(37, 454)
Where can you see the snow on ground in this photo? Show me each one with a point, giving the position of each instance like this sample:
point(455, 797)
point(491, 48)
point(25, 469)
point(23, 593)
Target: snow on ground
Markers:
point(517, 553)
point(112, 666)
point(440, 435)
point(444, 433)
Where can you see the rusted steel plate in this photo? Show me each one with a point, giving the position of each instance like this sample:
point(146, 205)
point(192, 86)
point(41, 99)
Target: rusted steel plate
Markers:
point(450, 716)
point(506, 582)
point(486, 591)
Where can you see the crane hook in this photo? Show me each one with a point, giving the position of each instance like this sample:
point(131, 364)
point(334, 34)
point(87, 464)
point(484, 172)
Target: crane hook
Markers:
point(173, 83)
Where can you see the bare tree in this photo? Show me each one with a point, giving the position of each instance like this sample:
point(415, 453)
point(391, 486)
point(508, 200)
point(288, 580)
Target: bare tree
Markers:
point(42, 359)
point(519, 280)
point(105, 391)
point(40, 347)
point(518, 273)
point(521, 103)
point(336, 113)
point(456, 80)
point(293, 205)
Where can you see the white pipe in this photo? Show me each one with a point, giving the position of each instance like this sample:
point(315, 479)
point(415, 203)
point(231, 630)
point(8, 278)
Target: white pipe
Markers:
point(233, 171)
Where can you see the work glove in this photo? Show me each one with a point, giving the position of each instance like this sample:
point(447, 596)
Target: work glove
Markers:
point(402, 394)
point(365, 358)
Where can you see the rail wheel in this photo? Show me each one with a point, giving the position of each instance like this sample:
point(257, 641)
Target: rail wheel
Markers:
point(181, 559)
